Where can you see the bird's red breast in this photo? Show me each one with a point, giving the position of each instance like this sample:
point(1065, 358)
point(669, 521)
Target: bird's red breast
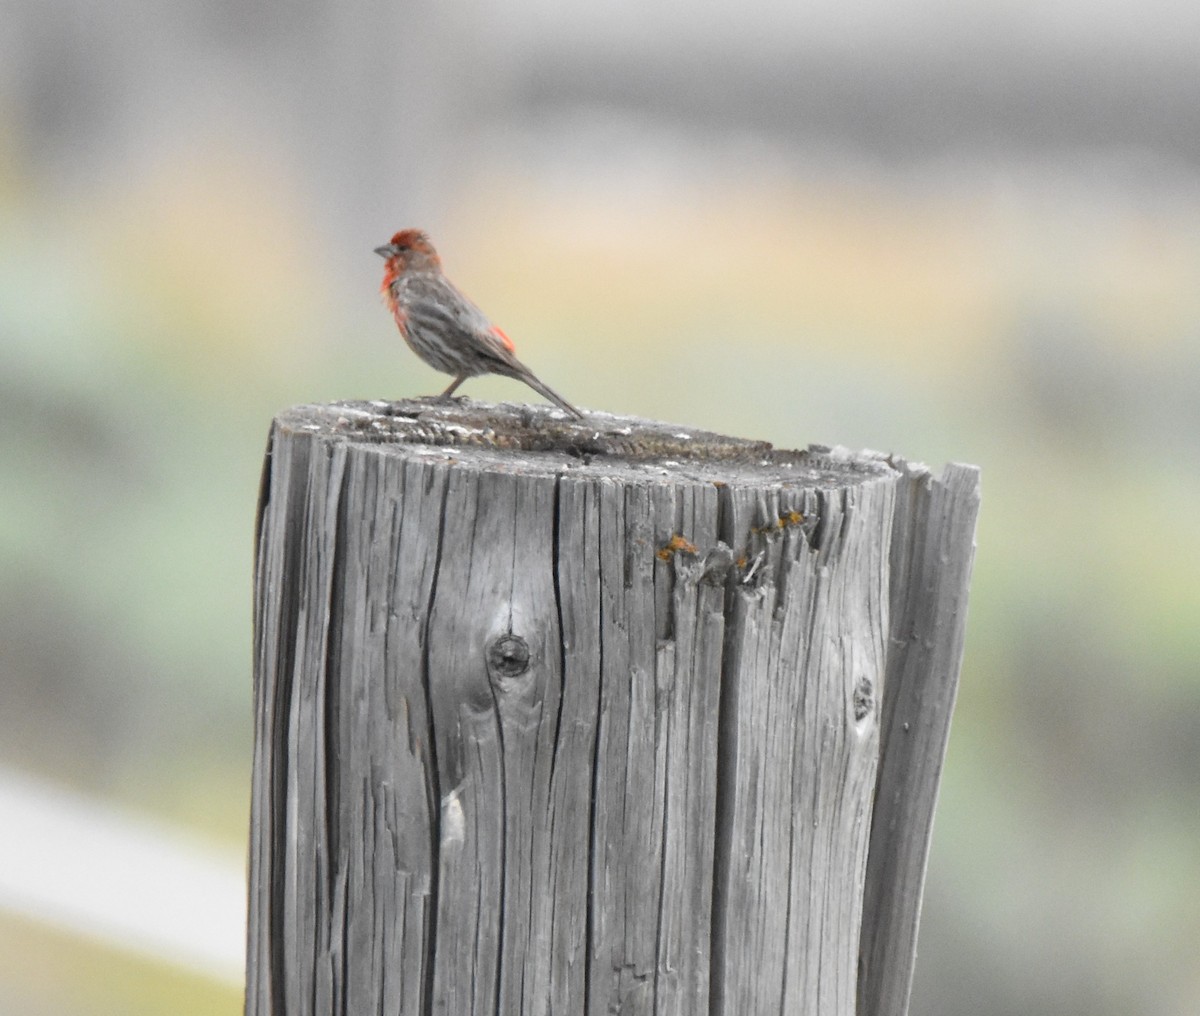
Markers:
point(389, 297)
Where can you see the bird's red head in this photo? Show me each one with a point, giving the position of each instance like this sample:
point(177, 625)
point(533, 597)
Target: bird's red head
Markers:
point(409, 251)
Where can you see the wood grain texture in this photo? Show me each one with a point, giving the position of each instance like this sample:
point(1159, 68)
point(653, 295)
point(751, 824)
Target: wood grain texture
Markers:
point(560, 717)
point(933, 549)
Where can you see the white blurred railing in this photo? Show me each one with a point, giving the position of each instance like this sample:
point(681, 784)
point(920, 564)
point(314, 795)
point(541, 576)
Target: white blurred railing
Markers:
point(130, 882)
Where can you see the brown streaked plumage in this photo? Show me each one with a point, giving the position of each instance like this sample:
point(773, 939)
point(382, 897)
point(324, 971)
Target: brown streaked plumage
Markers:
point(441, 325)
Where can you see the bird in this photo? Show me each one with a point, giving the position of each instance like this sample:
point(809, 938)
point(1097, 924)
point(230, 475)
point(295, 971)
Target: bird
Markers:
point(442, 326)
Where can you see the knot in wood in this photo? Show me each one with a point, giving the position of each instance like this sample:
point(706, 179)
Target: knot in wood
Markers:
point(864, 699)
point(508, 656)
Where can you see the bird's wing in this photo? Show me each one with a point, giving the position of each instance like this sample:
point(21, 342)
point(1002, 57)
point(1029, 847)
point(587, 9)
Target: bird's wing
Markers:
point(436, 302)
point(505, 341)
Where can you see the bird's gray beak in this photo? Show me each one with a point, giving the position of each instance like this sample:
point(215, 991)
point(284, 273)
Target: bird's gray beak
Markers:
point(386, 251)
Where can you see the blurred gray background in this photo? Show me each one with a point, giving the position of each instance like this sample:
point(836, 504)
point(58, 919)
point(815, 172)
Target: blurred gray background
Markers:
point(954, 231)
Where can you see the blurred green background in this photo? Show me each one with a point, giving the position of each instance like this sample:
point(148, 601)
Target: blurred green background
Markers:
point(968, 234)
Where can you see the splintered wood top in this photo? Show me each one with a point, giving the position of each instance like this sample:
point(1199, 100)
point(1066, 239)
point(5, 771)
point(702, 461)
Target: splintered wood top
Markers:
point(548, 442)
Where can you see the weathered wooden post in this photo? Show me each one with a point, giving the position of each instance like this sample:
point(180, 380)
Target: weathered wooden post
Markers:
point(590, 718)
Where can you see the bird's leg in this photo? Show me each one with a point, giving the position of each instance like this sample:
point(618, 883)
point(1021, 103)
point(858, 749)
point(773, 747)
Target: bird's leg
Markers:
point(453, 386)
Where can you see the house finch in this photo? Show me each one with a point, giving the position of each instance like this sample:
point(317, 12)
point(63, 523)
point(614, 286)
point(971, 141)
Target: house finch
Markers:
point(442, 326)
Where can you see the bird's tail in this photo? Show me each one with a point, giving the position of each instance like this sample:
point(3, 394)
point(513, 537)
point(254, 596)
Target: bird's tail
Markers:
point(544, 389)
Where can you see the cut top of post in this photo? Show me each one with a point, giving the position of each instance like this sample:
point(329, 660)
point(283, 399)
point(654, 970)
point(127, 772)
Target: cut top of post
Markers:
point(548, 442)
